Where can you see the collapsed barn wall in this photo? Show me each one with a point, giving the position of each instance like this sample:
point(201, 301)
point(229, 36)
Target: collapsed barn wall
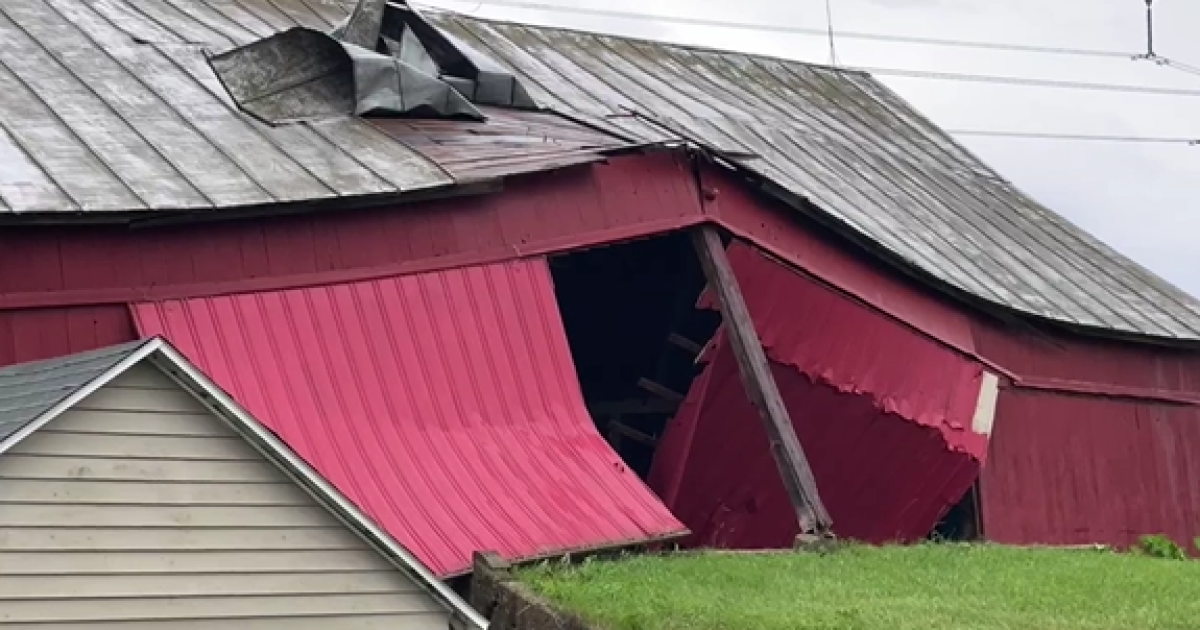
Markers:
point(885, 417)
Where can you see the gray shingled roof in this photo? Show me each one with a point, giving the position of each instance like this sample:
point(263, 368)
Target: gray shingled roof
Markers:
point(872, 165)
point(29, 390)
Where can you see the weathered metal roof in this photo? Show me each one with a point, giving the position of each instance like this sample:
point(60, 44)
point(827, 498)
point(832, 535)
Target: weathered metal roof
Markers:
point(509, 143)
point(111, 106)
point(850, 146)
point(29, 390)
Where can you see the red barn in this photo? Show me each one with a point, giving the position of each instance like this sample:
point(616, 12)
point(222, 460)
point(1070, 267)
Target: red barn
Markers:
point(471, 300)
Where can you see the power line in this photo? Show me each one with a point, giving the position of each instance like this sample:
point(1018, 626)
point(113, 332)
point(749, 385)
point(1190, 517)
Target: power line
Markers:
point(1167, 62)
point(1027, 82)
point(1029, 135)
point(798, 30)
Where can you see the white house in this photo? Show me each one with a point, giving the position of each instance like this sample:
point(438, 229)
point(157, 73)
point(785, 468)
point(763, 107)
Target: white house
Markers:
point(134, 493)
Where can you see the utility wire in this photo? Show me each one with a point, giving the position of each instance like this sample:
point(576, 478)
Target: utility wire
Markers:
point(1167, 62)
point(798, 30)
point(1028, 135)
point(1027, 82)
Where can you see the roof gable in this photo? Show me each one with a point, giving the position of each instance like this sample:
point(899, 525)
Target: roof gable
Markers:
point(31, 391)
point(871, 165)
point(33, 394)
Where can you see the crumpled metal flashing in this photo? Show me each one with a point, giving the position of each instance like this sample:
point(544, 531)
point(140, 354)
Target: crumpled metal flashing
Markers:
point(305, 74)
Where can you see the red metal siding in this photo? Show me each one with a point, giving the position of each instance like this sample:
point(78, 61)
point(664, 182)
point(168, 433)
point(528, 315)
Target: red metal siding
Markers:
point(61, 266)
point(777, 229)
point(1079, 470)
point(884, 415)
point(805, 326)
point(881, 477)
point(444, 404)
point(1116, 367)
point(32, 335)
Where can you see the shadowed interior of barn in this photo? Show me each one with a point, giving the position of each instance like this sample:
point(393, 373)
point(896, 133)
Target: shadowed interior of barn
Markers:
point(635, 332)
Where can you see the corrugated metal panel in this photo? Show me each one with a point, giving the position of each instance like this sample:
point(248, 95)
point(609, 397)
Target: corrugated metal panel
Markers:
point(884, 414)
point(444, 404)
point(508, 143)
point(1079, 470)
point(852, 147)
point(30, 389)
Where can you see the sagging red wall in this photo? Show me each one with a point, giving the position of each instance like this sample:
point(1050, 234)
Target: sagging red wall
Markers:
point(64, 288)
point(88, 265)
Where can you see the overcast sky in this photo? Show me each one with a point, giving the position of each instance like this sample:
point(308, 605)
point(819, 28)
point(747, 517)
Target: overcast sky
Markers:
point(1137, 197)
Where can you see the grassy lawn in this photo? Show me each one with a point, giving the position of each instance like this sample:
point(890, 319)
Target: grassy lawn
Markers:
point(927, 587)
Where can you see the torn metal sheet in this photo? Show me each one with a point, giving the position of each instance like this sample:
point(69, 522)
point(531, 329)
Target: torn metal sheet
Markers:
point(302, 74)
point(386, 85)
point(493, 84)
point(362, 26)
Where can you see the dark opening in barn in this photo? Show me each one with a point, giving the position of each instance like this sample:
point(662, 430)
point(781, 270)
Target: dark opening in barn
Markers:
point(962, 522)
point(634, 330)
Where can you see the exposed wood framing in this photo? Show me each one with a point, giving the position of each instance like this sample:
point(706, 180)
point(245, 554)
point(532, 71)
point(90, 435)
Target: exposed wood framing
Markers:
point(662, 391)
point(633, 407)
point(760, 384)
point(684, 343)
point(620, 430)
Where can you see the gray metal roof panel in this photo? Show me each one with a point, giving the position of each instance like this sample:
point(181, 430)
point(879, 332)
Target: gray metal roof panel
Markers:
point(849, 145)
point(112, 106)
point(29, 390)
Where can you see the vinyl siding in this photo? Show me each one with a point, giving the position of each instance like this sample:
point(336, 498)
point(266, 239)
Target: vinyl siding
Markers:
point(140, 508)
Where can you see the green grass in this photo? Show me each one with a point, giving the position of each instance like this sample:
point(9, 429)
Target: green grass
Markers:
point(926, 587)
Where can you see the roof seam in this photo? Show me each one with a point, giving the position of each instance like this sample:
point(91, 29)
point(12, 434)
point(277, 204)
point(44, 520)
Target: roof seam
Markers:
point(104, 51)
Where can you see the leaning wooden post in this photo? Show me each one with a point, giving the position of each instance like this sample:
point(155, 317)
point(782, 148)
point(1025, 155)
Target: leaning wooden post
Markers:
point(760, 384)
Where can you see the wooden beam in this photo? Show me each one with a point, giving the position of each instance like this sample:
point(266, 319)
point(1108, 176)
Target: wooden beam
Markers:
point(684, 343)
point(633, 407)
point(760, 384)
point(662, 391)
point(620, 429)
